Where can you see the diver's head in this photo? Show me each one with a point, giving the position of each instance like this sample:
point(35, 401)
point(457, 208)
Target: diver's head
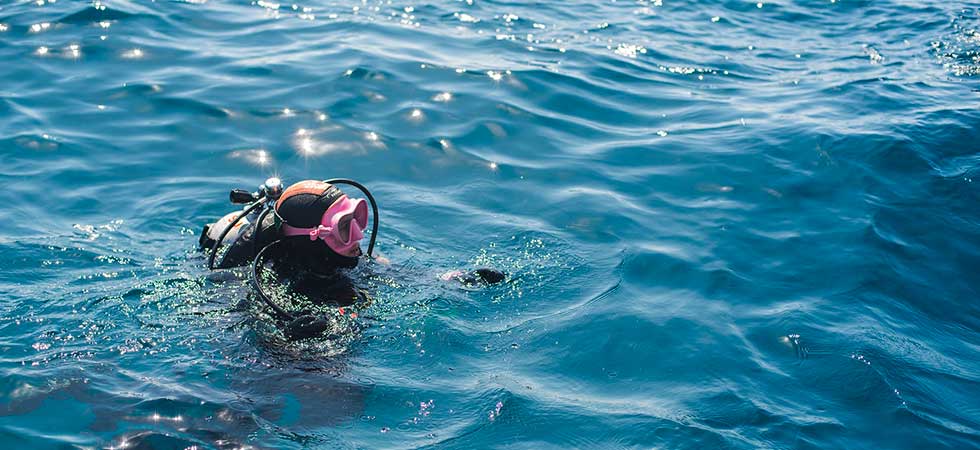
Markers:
point(322, 213)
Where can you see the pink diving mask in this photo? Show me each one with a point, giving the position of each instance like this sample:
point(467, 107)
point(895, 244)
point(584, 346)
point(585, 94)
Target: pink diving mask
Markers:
point(341, 227)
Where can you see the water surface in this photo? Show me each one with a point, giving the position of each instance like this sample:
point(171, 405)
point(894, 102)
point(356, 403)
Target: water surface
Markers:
point(727, 224)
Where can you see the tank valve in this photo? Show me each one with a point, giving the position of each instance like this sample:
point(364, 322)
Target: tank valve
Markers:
point(272, 188)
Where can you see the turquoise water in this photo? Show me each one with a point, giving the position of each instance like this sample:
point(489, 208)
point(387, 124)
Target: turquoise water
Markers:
point(726, 224)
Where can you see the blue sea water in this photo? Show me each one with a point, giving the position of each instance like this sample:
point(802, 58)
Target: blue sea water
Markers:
point(726, 224)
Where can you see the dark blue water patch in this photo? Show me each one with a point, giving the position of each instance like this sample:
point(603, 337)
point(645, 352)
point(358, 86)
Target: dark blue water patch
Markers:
point(95, 14)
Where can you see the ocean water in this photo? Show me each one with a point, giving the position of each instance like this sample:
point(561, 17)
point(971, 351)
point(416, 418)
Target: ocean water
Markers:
point(726, 224)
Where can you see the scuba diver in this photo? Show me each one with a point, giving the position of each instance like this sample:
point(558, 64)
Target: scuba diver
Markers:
point(310, 232)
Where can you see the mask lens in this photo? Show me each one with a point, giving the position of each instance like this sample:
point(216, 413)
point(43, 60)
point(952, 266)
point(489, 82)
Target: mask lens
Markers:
point(343, 228)
point(361, 213)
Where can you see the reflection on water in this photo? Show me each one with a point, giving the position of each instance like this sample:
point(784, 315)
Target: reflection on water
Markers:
point(725, 224)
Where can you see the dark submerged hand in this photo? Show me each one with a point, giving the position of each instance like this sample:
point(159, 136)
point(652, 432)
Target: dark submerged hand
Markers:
point(484, 275)
point(305, 327)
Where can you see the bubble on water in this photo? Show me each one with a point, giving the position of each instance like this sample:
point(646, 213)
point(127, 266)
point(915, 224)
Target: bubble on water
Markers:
point(268, 5)
point(463, 17)
point(89, 230)
point(39, 346)
point(442, 97)
point(873, 55)
point(630, 50)
point(495, 413)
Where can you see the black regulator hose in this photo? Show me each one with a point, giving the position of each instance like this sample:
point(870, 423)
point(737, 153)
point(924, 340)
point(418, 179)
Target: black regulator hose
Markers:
point(214, 250)
point(257, 228)
point(256, 263)
point(374, 208)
